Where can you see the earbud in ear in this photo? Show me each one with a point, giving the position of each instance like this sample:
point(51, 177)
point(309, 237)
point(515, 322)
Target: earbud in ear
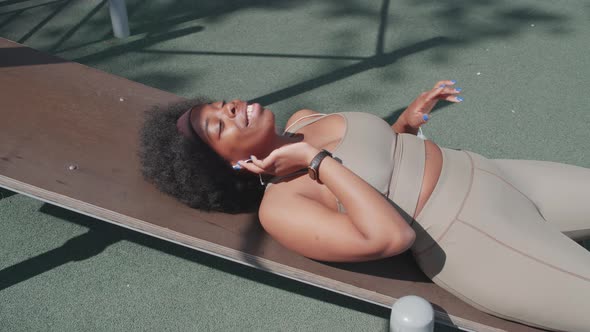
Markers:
point(238, 167)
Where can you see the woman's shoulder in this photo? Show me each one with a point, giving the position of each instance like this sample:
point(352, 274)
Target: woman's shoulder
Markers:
point(298, 115)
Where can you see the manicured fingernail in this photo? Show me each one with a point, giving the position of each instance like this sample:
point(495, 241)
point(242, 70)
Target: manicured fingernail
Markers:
point(237, 167)
point(459, 99)
point(425, 117)
point(442, 85)
point(453, 81)
point(458, 89)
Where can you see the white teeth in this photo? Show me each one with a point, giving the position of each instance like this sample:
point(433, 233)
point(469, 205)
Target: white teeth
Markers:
point(249, 111)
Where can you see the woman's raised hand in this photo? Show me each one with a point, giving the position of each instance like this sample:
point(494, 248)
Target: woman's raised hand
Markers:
point(418, 112)
point(284, 160)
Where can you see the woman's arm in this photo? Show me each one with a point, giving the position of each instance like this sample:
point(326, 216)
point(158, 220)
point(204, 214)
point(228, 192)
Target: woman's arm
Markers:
point(371, 228)
point(418, 111)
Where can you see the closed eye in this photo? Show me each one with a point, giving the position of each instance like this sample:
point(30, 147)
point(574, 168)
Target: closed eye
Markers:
point(220, 128)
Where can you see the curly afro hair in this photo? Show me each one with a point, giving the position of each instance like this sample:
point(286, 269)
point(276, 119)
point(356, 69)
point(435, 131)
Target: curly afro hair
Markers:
point(190, 170)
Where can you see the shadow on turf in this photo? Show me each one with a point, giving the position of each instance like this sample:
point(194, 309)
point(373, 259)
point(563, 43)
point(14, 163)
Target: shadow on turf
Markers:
point(11, 2)
point(100, 235)
point(76, 249)
point(460, 23)
point(43, 22)
point(67, 35)
point(159, 18)
point(379, 60)
point(5, 193)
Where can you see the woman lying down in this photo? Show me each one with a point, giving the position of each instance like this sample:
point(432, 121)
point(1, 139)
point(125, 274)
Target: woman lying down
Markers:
point(499, 234)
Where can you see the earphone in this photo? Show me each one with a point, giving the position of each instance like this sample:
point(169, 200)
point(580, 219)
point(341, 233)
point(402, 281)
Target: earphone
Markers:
point(238, 167)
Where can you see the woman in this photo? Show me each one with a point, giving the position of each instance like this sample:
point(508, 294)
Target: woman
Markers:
point(347, 187)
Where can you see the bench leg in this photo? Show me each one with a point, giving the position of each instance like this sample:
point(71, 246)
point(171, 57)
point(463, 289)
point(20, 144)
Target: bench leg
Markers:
point(119, 19)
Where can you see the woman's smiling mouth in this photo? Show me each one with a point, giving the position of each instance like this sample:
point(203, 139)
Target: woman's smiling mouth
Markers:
point(252, 112)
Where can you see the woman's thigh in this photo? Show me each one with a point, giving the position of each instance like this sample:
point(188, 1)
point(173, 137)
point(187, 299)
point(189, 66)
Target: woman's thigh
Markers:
point(501, 256)
point(559, 191)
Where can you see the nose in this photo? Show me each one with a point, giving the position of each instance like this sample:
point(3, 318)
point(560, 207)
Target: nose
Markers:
point(230, 108)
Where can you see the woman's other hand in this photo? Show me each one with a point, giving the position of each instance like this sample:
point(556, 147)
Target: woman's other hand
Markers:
point(418, 112)
point(284, 160)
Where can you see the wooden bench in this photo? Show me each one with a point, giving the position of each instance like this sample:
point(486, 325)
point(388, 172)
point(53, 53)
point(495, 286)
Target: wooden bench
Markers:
point(69, 137)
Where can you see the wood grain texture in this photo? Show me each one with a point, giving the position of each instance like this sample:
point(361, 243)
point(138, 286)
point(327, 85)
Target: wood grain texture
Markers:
point(56, 114)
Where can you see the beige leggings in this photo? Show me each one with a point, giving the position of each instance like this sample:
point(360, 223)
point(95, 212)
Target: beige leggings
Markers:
point(495, 234)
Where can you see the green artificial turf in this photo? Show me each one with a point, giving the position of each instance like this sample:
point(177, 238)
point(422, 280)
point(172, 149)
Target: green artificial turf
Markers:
point(522, 64)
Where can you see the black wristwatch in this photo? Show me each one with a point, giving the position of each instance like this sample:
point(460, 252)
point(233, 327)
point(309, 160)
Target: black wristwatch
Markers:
point(313, 168)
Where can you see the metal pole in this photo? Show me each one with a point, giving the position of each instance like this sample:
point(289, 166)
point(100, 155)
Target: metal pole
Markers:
point(119, 18)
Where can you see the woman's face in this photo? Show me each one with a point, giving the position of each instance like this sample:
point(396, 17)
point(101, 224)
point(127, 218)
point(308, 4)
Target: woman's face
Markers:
point(235, 130)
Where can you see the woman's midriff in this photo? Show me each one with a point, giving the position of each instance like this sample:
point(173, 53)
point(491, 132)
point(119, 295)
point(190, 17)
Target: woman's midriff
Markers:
point(432, 170)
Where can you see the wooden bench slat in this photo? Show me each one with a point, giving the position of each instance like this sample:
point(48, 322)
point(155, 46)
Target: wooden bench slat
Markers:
point(57, 114)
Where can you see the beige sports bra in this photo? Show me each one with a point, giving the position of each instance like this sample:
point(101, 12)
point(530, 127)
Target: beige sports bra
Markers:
point(392, 163)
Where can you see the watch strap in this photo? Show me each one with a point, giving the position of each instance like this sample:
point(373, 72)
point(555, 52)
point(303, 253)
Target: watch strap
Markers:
point(314, 165)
